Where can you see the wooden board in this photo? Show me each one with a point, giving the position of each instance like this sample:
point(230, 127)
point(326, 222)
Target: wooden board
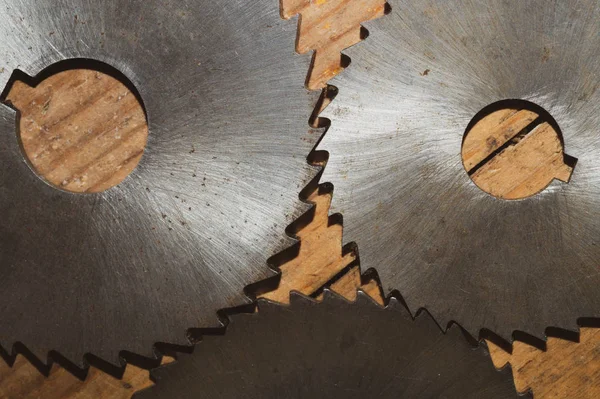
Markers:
point(565, 370)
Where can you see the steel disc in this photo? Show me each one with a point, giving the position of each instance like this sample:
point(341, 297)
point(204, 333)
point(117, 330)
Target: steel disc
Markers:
point(184, 234)
point(333, 349)
point(395, 140)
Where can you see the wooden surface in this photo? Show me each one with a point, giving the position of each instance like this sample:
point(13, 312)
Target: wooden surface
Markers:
point(565, 370)
point(507, 160)
point(24, 381)
point(83, 130)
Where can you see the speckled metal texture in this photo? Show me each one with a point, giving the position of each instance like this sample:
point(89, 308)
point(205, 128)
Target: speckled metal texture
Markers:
point(208, 204)
point(333, 349)
point(394, 146)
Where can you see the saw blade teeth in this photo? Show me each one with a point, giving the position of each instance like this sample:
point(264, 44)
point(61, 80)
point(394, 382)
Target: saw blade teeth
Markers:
point(397, 127)
point(304, 207)
point(43, 360)
point(239, 98)
point(373, 26)
point(527, 357)
point(395, 303)
point(456, 331)
point(362, 298)
point(265, 306)
point(330, 296)
point(300, 300)
point(321, 343)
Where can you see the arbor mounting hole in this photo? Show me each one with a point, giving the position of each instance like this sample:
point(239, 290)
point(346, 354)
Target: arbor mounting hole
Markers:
point(82, 125)
point(514, 149)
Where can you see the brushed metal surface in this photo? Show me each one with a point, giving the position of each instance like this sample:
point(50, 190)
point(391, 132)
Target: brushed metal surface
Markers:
point(334, 349)
point(196, 221)
point(395, 163)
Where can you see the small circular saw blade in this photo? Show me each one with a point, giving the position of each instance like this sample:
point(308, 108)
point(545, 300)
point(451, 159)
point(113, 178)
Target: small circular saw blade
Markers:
point(206, 207)
point(426, 70)
point(334, 349)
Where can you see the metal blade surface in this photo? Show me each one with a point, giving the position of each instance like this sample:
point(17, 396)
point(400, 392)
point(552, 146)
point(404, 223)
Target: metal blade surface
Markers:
point(397, 126)
point(209, 202)
point(333, 349)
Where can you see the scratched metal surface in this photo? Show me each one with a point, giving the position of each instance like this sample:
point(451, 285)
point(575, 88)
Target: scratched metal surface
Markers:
point(208, 203)
point(395, 163)
point(333, 349)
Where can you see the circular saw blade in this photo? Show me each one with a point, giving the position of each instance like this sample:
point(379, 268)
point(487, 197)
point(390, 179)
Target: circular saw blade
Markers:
point(183, 235)
point(333, 349)
point(395, 140)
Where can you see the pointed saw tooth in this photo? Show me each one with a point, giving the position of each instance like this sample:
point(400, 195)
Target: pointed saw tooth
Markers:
point(299, 299)
point(364, 299)
point(266, 306)
point(330, 296)
point(395, 304)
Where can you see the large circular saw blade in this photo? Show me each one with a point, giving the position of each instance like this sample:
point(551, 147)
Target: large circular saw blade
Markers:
point(184, 234)
point(395, 140)
point(334, 349)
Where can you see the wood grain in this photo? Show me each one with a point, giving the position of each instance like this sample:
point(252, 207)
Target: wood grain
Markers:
point(327, 26)
point(510, 161)
point(24, 381)
point(565, 370)
point(82, 130)
point(320, 258)
point(492, 132)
